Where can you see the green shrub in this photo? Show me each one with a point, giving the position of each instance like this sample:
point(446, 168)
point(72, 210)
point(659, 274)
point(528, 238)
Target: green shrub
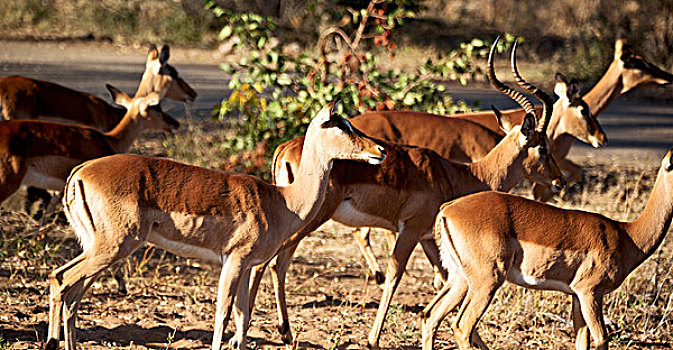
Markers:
point(274, 96)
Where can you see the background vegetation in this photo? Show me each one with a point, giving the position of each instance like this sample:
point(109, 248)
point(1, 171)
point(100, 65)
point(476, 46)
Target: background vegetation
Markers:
point(576, 34)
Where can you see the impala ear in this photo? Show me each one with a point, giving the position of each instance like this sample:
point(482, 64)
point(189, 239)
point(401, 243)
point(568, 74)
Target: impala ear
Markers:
point(573, 90)
point(667, 163)
point(528, 125)
point(164, 55)
point(119, 97)
point(561, 86)
point(325, 113)
point(504, 122)
point(152, 53)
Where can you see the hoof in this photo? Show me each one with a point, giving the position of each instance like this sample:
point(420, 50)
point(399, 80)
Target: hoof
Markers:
point(380, 277)
point(424, 316)
point(122, 291)
point(234, 344)
point(285, 334)
point(52, 344)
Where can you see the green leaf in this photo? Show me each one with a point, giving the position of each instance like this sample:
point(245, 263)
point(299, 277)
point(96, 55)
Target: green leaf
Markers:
point(477, 42)
point(225, 32)
point(284, 79)
point(261, 42)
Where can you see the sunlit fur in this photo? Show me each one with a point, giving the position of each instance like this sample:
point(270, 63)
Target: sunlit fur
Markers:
point(540, 246)
point(117, 203)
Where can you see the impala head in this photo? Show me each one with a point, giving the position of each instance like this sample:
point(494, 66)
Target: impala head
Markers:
point(159, 76)
point(635, 70)
point(340, 140)
point(572, 115)
point(531, 136)
point(145, 108)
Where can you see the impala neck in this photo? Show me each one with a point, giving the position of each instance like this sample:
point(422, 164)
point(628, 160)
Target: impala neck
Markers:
point(648, 231)
point(606, 89)
point(495, 170)
point(554, 130)
point(305, 195)
point(124, 134)
point(145, 85)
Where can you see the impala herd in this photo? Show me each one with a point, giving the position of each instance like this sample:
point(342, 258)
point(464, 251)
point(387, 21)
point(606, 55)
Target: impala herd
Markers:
point(420, 175)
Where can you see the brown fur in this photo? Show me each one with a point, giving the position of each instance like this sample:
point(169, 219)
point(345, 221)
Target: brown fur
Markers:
point(26, 98)
point(405, 189)
point(48, 151)
point(116, 203)
point(584, 254)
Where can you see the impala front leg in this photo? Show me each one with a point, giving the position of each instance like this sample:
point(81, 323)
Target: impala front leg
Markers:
point(361, 235)
point(279, 268)
point(591, 305)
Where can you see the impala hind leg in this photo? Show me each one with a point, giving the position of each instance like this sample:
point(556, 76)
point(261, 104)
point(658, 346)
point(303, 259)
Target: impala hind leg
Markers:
point(241, 313)
point(229, 278)
point(482, 288)
point(451, 295)
point(406, 241)
point(582, 337)
point(361, 235)
point(68, 283)
point(72, 302)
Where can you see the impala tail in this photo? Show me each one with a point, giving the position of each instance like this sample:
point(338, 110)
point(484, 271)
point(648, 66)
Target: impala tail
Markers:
point(77, 209)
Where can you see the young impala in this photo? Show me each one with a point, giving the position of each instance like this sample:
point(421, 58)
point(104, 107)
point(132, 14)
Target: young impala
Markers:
point(402, 194)
point(26, 98)
point(117, 203)
point(42, 153)
point(539, 246)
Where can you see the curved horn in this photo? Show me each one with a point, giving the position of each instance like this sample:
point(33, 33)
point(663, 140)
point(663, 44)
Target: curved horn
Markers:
point(498, 85)
point(547, 102)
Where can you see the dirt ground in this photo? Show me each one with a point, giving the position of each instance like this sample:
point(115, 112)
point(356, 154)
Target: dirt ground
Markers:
point(332, 304)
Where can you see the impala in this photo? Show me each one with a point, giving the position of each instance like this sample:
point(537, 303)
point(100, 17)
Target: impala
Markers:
point(26, 98)
point(539, 246)
point(627, 71)
point(397, 195)
point(42, 153)
point(117, 203)
point(570, 116)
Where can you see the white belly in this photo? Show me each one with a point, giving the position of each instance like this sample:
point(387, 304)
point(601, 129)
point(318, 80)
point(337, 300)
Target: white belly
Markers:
point(182, 249)
point(349, 215)
point(186, 225)
point(517, 277)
